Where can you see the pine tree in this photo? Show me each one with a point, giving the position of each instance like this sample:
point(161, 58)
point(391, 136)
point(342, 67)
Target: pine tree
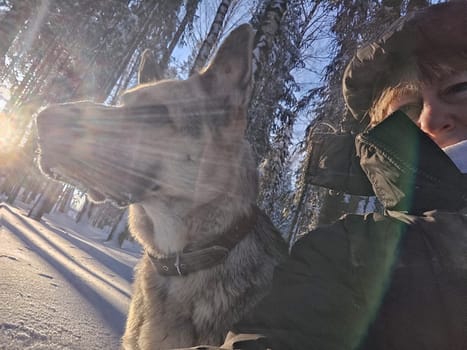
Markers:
point(275, 105)
point(13, 16)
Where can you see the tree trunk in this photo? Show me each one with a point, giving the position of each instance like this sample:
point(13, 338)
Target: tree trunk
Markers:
point(268, 28)
point(36, 70)
point(12, 23)
point(14, 189)
point(65, 198)
point(211, 39)
point(300, 194)
point(120, 230)
point(259, 123)
point(45, 202)
point(84, 211)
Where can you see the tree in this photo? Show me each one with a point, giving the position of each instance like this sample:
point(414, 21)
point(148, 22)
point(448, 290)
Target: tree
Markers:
point(64, 56)
point(63, 202)
point(213, 36)
point(157, 33)
point(190, 12)
point(119, 231)
point(15, 14)
point(46, 201)
point(275, 106)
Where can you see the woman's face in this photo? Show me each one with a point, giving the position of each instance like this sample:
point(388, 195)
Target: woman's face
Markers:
point(439, 108)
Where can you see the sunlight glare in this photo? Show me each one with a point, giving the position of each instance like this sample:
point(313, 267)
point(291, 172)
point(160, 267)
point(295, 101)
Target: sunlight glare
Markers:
point(5, 96)
point(7, 134)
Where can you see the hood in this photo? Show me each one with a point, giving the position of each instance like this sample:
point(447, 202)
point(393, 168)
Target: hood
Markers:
point(407, 170)
point(430, 33)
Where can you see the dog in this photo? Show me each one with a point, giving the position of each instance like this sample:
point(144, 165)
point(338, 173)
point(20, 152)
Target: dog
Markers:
point(174, 151)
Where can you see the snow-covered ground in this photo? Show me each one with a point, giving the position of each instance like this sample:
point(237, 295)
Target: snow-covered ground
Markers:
point(61, 286)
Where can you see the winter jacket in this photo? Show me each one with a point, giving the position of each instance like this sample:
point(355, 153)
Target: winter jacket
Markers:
point(396, 280)
point(393, 281)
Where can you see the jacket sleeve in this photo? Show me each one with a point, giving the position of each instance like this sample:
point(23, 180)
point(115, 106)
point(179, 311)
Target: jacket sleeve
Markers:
point(327, 292)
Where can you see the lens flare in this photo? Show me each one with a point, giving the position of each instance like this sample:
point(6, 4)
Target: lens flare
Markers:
point(7, 134)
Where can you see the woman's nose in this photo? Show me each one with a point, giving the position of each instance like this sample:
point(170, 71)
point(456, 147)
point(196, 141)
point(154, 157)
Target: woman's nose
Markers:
point(436, 118)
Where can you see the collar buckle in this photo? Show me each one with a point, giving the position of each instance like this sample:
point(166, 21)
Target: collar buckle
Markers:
point(177, 264)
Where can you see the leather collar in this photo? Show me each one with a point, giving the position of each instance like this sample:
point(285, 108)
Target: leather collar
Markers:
point(195, 257)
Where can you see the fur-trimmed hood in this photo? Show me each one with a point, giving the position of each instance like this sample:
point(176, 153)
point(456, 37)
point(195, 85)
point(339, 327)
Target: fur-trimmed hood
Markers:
point(417, 176)
point(427, 33)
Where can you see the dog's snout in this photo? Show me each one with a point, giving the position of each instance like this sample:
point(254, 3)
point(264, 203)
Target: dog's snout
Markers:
point(55, 122)
point(47, 121)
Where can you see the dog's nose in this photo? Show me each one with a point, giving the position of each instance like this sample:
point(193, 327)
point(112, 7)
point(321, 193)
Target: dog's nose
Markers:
point(56, 136)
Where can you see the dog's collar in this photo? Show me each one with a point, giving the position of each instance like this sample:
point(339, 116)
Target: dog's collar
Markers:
point(195, 258)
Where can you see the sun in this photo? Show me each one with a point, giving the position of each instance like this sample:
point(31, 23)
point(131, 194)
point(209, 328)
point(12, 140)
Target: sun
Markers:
point(7, 134)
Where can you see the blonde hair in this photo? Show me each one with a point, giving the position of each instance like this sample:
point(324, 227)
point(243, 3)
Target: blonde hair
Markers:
point(380, 108)
point(399, 83)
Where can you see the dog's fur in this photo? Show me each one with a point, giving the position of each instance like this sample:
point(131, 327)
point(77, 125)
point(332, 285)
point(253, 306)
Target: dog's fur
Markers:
point(175, 149)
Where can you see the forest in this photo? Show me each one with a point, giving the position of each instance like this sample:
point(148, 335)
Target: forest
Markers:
point(55, 51)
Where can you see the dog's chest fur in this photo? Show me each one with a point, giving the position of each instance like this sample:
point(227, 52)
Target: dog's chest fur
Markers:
point(201, 307)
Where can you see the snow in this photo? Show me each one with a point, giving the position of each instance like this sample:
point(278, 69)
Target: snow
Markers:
point(61, 286)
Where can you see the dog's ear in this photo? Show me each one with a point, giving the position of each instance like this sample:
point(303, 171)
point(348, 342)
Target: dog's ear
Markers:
point(148, 70)
point(232, 64)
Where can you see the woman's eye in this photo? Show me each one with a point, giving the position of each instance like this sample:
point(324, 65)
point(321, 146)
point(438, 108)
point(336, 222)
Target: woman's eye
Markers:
point(457, 88)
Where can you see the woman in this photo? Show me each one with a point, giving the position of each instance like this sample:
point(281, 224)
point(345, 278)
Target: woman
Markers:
point(398, 280)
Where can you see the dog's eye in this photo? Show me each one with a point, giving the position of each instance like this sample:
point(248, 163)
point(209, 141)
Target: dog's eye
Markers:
point(150, 115)
point(159, 109)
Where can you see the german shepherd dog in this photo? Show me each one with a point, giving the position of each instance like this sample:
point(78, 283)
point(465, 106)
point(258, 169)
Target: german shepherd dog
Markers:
point(174, 151)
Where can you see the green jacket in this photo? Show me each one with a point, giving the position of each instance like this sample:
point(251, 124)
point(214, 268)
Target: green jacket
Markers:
point(393, 281)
